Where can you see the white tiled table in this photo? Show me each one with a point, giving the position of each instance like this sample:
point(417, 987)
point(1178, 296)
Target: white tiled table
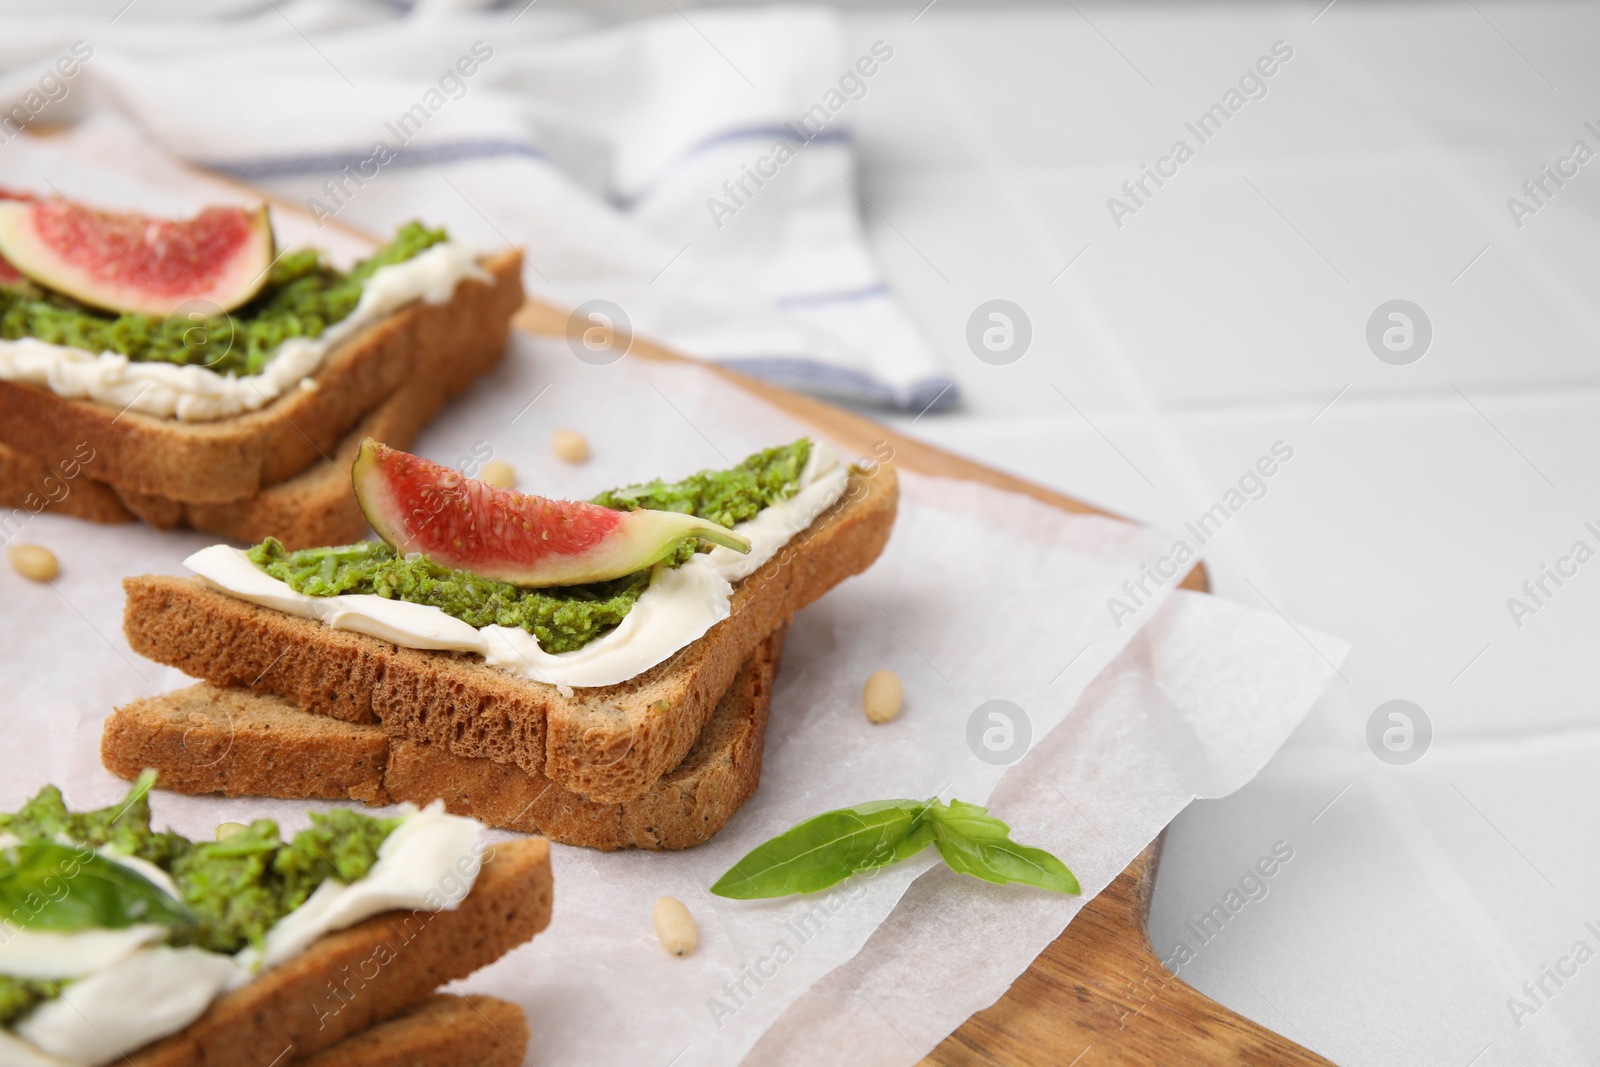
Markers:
point(1228, 314)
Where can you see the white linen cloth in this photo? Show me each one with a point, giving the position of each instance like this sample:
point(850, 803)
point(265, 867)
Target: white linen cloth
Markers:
point(603, 153)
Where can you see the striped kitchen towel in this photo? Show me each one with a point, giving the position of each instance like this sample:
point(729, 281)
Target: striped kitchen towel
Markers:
point(692, 173)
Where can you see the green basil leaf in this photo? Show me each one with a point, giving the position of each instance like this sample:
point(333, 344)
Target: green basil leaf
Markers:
point(970, 821)
point(1005, 861)
point(824, 851)
point(829, 848)
point(46, 886)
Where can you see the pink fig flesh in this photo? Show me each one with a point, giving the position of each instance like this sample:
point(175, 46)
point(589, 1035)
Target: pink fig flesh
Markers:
point(125, 262)
point(421, 507)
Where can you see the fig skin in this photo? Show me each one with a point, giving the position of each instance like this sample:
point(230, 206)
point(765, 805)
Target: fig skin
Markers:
point(418, 506)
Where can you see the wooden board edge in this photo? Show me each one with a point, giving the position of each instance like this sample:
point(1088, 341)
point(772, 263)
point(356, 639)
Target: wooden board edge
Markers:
point(1126, 1008)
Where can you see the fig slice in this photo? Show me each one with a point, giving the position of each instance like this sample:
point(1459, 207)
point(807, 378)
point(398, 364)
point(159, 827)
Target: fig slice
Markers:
point(418, 506)
point(9, 275)
point(126, 262)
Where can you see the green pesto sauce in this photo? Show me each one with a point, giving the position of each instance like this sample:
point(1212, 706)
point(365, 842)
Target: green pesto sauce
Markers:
point(123, 827)
point(19, 995)
point(724, 497)
point(561, 619)
point(234, 890)
point(239, 887)
point(303, 296)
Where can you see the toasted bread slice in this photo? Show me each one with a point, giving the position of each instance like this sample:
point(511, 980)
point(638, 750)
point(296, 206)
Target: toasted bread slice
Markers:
point(312, 508)
point(607, 743)
point(350, 980)
point(442, 1031)
point(208, 740)
point(232, 459)
point(317, 507)
point(202, 739)
point(31, 486)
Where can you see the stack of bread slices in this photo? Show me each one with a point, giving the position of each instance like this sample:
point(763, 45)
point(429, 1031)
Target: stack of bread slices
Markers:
point(289, 707)
point(282, 470)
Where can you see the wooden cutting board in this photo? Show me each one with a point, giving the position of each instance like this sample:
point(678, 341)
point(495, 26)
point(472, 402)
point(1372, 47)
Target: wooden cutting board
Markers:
point(1099, 994)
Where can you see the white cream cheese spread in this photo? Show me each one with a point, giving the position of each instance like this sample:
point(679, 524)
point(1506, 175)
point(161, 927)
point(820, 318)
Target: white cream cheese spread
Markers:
point(681, 604)
point(47, 954)
point(428, 863)
point(154, 992)
point(198, 394)
point(127, 992)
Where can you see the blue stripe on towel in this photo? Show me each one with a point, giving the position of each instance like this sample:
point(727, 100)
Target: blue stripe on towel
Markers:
point(627, 201)
point(415, 155)
point(936, 393)
point(762, 133)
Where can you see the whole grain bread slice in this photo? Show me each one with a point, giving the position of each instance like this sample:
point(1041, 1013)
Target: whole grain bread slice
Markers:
point(232, 459)
point(31, 486)
point(314, 507)
point(202, 739)
point(442, 1031)
point(350, 980)
point(317, 507)
point(608, 743)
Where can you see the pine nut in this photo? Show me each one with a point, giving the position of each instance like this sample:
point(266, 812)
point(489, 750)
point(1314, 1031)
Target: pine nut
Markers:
point(882, 696)
point(34, 562)
point(569, 445)
point(674, 926)
point(499, 473)
point(226, 830)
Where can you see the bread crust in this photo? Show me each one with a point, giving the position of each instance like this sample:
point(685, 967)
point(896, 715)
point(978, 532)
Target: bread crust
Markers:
point(32, 486)
point(208, 740)
point(202, 739)
point(352, 979)
point(608, 743)
point(317, 507)
point(442, 1031)
point(232, 459)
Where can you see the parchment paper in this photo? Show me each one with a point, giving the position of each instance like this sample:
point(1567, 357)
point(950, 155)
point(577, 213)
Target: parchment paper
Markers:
point(1193, 707)
point(981, 596)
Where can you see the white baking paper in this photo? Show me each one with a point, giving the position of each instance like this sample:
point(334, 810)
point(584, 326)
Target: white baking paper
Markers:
point(1193, 707)
point(981, 596)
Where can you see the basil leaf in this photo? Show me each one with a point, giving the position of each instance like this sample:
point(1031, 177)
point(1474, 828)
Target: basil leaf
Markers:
point(974, 842)
point(1005, 861)
point(829, 848)
point(970, 821)
point(46, 886)
point(826, 850)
